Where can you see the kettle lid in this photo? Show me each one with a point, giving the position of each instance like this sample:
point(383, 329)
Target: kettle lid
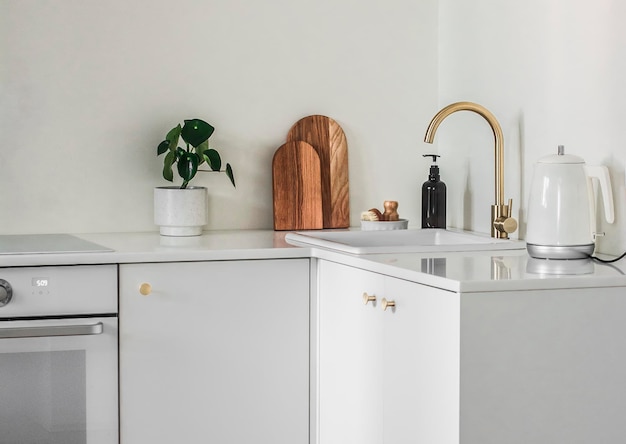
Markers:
point(561, 157)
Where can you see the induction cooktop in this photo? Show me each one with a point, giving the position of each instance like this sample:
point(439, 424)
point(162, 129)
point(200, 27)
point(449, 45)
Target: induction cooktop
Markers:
point(47, 243)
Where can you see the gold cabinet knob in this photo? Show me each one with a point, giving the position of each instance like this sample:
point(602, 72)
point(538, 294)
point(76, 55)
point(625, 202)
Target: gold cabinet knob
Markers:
point(145, 289)
point(386, 303)
point(368, 298)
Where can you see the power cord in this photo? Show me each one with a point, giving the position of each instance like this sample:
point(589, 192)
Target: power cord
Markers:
point(608, 261)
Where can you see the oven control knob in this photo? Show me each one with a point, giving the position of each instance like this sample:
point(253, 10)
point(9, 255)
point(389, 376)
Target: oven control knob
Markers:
point(6, 292)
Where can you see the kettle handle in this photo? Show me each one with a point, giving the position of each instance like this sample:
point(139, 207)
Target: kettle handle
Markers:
point(602, 174)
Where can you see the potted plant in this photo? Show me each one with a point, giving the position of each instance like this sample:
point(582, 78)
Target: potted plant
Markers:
point(182, 210)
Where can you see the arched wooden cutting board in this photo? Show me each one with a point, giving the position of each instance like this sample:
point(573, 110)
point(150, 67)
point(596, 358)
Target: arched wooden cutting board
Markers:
point(296, 177)
point(329, 140)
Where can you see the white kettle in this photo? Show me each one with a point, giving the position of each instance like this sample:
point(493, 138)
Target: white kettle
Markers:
point(561, 208)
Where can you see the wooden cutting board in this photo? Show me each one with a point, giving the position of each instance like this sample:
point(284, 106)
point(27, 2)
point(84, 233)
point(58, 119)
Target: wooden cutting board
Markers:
point(329, 140)
point(296, 177)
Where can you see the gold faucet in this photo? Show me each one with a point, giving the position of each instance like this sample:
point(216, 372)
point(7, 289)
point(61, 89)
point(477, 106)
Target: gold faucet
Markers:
point(502, 222)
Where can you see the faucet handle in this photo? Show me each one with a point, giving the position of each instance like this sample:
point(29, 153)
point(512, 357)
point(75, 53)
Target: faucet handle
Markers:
point(503, 223)
point(508, 225)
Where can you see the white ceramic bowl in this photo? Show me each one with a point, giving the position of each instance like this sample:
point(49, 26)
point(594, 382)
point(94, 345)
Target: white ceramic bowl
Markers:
point(373, 225)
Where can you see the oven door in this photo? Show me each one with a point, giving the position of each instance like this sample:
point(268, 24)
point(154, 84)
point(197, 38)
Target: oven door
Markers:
point(58, 381)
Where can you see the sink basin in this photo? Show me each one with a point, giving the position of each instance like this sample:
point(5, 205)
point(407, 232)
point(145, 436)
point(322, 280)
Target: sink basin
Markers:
point(401, 241)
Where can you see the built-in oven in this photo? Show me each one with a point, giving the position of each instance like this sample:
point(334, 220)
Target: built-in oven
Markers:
point(58, 355)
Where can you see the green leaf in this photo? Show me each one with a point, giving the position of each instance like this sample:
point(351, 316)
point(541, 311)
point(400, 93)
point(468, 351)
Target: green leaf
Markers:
point(169, 160)
point(173, 136)
point(196, 131)
point(179, 152)
point(200, 149)
point(213, 159)
point(229, 173)
point(188, 166)
point(163, 147)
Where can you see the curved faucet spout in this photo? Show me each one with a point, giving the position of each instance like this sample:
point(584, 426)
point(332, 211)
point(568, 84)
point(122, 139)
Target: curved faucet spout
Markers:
point(502, 223)
point(497, 134)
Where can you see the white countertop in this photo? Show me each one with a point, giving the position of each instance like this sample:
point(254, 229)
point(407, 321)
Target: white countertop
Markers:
point(151, 247)
point(510, 270)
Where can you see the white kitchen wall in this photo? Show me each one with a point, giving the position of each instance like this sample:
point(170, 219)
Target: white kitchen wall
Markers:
point(553, 72)
point(88, 88)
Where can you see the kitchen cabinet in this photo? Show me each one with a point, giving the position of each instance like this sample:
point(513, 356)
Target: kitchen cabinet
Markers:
point(386, 376)
point(421, 356)
point(215, 352)
point(484, 367)
point(543, 366)
point(218, 348)
point(350, 348)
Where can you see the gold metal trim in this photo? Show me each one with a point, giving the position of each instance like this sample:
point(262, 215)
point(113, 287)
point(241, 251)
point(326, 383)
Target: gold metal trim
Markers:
point(387, 304)
point(368, 298)
point(502, 222)
point(145, 289)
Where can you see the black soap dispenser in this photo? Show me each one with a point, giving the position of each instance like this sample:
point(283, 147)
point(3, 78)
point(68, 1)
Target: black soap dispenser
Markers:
point(433, 198)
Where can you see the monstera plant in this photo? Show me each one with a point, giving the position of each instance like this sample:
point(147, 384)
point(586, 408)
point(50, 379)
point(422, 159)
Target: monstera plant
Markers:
point(195, 134)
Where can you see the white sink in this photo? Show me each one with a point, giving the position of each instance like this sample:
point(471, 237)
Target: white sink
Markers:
point(401, 241)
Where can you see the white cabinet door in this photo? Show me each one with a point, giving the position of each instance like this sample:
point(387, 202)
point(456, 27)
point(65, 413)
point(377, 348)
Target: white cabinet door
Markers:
point(218, 352)
point(349, 351)
point(421, 370)
point(386, 376)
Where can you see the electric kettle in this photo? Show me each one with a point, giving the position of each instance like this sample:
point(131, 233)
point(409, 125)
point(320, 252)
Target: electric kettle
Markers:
point(561, 220)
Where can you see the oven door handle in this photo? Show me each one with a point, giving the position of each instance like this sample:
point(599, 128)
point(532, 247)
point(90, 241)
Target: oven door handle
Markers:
point(53, 330)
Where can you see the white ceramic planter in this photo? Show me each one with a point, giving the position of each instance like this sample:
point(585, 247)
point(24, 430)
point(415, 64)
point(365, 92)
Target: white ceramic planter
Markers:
point(180, 212)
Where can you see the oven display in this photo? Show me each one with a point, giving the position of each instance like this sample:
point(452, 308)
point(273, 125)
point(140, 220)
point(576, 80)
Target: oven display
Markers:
point(40, 286)
point(40, 282)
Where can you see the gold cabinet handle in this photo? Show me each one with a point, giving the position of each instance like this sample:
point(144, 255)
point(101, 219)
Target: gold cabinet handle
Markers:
point(368, 298)
point(145, 289)
point(387, 304)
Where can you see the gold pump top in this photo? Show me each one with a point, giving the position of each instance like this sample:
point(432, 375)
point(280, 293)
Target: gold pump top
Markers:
point(497, 134)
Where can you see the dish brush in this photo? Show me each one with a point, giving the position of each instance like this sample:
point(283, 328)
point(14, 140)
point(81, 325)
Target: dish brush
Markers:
point(371, 215)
